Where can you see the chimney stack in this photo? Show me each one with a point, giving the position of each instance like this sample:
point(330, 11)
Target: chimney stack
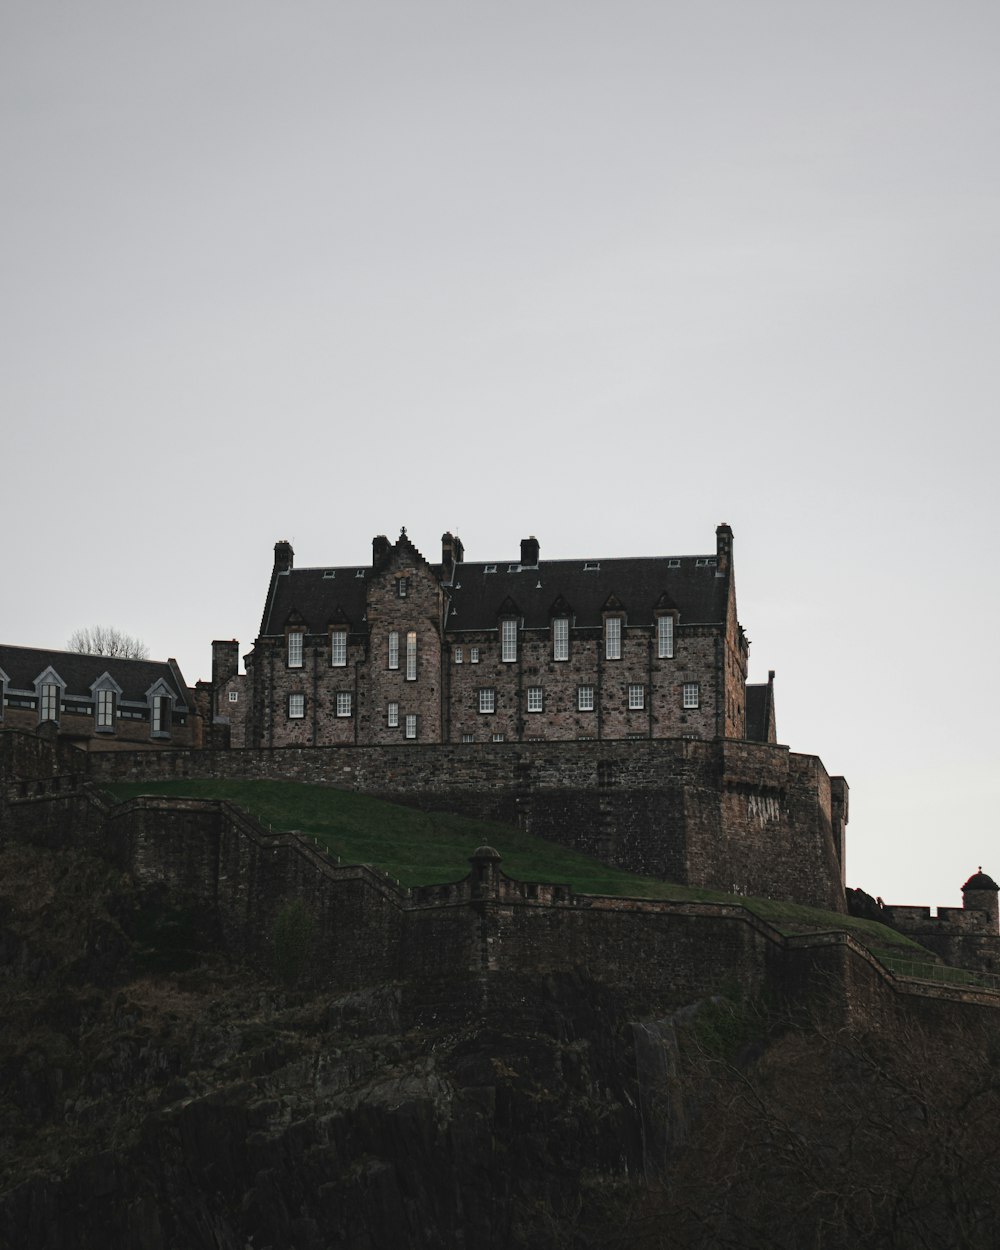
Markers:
point(452, 553)
point(284, 556)
point(529, 552)
point(723, 549)
point(380, 548)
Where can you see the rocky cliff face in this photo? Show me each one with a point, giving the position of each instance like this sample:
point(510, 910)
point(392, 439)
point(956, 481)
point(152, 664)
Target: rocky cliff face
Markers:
point(157, 1095)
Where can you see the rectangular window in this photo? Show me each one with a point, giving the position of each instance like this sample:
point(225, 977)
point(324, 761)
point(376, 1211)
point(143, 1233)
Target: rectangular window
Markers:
point(560, 638)
point(613, 638)
point(105, 709)
point(487, 699)
point(234, 696)
point(295, 650)
point(508, 641)
point(343, 704)
point(411, 655)
point(498, 737)
point(665, 637)
point(691, 694)
point(411, 726)
point(458, 655)
point(393, 716)
point(338, 647)
point(296, 706)
point(394, 650)
point(402, 586)
point(468, 737)
point(473, 655)
point(161, 714)
point(636, 697)
point(534, 698)
point(585, 698)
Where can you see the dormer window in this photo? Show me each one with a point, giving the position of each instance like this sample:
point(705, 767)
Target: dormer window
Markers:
point(161, 714)
point(48, 702)
point(106, 693)
point(295, 659)
point(49, 690)
point(105, 711)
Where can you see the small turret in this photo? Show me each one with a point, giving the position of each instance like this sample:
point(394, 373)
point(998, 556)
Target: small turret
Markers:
point(981, 892)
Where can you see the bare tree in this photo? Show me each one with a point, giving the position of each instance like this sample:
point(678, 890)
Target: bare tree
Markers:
point(106, 640)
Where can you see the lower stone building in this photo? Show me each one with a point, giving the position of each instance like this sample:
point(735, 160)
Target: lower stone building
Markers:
point(100, 702)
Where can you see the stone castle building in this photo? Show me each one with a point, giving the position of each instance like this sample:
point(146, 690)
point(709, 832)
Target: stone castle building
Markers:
point(523, 650)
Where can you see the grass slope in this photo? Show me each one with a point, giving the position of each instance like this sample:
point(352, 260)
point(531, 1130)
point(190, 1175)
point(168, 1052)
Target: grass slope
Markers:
point(423, 848)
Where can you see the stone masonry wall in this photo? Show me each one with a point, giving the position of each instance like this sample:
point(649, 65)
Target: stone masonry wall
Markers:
point(739, 817)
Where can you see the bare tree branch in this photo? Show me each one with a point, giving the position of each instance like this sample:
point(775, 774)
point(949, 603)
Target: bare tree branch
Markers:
point(106, 640)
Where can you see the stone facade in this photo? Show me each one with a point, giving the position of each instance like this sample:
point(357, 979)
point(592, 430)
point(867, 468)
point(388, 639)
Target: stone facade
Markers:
point(530, 650)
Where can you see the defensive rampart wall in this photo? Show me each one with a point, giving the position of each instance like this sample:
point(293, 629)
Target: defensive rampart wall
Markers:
point(746, 818)
point(487, 930)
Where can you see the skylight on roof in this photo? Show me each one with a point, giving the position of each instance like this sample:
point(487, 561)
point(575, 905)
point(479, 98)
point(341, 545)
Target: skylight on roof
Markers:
point(673, 564)
point(489, 568)
point(360, 573)
point(592, 566)
point(329, 573)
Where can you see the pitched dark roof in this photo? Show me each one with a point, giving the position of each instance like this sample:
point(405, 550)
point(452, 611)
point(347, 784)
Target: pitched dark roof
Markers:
point(637, 583)
point(478, 596)
point(318, 597)
point(23, 664)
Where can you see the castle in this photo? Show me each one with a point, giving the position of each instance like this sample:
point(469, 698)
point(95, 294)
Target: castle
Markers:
point(598, 702)
point(525, 650)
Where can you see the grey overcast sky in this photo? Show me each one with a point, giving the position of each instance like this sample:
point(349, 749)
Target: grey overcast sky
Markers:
point(607, 273)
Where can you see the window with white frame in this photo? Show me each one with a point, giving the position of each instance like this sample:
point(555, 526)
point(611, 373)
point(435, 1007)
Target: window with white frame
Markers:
point(487, 699)
point(105, 709)
point(296, 706)
point(411, 726)
point(392, 716)
point(338, 648)
point(468, 737)
point(411, 655)
point(636, 697)
point(295, 649)
point(508, 640)
point(585, 698)
point(161, 713)
point(560, 638)
point(402, 587)
point(473, 655)
point(613, 638)
point(535, 698)
point(498, 737)
point(691, 694)
point(458, 655)
point(343, 704)
point(393, 649)
point(234, 696)
point(665, 637)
